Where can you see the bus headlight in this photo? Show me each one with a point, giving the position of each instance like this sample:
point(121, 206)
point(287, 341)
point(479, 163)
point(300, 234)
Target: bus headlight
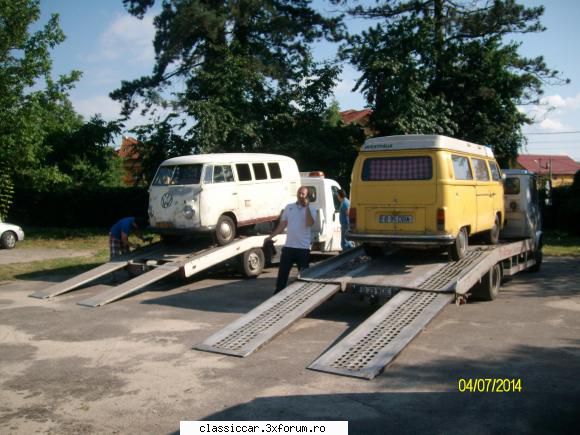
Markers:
point(188, 212)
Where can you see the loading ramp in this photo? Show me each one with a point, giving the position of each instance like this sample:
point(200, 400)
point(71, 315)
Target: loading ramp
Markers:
point(375, 343)
point(96, 273)
point(153, 263)
point(419, 287)
point(253, 330)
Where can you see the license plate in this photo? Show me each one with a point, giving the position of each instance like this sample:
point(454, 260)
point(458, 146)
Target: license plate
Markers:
point(395, 219)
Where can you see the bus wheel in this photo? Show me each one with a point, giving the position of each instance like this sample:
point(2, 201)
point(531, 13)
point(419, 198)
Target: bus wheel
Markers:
point(488, 288)
point(492, 236)
point(225, 230)
point(459, 247)
point(252, 262)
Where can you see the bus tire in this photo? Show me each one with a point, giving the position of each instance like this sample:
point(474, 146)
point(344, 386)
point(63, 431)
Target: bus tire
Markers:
point(492, 236)
point(459, 247)
point(225, 230)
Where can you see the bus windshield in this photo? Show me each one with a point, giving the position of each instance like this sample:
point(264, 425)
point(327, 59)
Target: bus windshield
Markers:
point(178, 175)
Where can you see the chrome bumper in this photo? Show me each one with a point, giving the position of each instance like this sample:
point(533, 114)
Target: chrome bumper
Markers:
point(435, 240)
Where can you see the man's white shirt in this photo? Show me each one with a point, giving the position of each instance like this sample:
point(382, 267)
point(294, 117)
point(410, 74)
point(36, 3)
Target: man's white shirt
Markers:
point(298, 234)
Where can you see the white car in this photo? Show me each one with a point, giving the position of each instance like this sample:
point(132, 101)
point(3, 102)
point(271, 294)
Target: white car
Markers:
point(9, 235)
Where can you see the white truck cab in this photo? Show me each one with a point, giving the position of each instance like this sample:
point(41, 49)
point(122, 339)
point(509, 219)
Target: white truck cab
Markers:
point(323, 195)
point(522, 209)
point(523, 219)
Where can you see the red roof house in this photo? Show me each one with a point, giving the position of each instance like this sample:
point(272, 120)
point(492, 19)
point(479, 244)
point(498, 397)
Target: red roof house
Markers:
point(561, 169)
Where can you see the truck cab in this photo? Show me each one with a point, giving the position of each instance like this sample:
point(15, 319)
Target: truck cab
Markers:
point(523, 219)
point(323, 196)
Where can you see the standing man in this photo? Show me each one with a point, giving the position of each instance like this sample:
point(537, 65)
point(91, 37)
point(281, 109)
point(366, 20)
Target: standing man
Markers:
point(119, 235)
point(298, 217)
point(344, 220)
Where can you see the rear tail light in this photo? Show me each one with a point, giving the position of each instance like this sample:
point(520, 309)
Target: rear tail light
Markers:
point(352, 217)
point(440, 219)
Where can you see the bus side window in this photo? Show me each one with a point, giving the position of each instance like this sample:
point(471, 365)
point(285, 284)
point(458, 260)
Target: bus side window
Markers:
point(208, 177)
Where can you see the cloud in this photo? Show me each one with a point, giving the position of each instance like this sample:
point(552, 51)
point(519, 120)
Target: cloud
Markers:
point(552, 124)
point(126, 39)
point(555, 113)
point(560, 102)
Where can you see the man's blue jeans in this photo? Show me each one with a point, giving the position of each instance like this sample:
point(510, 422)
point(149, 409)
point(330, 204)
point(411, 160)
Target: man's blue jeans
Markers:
point(345, 244)
point(290, 256)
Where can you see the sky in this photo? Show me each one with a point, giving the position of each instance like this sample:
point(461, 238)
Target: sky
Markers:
point(109, 45)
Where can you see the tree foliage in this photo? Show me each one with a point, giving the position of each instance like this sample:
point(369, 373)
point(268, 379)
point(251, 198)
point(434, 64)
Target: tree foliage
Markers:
point(44, 143)
point(246, 69)
point(442, 66)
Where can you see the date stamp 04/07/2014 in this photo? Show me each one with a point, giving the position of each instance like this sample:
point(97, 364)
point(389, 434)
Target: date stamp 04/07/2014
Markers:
point(489, 385)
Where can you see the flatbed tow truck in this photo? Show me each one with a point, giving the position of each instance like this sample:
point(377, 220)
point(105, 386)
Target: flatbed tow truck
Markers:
point(418, 289)
point(418, 285)
point(153, 263)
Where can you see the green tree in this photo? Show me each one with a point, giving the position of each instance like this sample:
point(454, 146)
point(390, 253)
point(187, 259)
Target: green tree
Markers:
point(83, 154)
point(442, 66)
point(246, 68)
point(25, 65)
point(44, 143)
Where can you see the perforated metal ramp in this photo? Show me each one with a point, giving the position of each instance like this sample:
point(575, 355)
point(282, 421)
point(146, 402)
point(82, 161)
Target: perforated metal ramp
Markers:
point(130, 286)
point(263, 323)
point(79, 280)
point(366, 351)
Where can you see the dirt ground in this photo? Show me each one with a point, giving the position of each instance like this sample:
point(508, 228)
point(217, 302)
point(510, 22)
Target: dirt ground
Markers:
point(129, 367)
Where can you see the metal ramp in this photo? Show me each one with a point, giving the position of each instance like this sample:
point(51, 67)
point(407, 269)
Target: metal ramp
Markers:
point(79, 280)
point(266, 321)
point(99, 271)
point(374, 344)
point(180, 259)
point(130, 286)
point(158, 261)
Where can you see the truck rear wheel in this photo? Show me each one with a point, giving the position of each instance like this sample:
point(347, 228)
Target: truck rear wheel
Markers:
point(459, 247)
point(538, 256)
point(252, 262)
point(488, 288)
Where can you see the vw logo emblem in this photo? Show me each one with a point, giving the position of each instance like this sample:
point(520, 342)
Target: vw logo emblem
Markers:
point(166, 200)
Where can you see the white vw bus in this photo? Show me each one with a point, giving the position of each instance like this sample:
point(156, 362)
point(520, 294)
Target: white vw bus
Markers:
point(219, 193)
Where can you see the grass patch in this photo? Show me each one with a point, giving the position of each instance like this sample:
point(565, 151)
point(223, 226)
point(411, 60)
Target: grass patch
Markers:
point(561, 244)
point(91, 243)
point(59, 266)
point(90, 239)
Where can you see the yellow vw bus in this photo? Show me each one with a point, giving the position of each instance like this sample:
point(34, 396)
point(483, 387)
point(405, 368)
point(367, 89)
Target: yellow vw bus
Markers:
point(424, 190)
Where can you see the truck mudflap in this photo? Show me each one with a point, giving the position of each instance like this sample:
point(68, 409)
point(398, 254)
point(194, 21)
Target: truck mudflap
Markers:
point(375, 343)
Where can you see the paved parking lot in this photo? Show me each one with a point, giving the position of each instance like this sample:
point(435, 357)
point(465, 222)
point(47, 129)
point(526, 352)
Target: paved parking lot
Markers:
point(128, 367)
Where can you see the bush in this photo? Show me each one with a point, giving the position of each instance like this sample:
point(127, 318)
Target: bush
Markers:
point(77, 207)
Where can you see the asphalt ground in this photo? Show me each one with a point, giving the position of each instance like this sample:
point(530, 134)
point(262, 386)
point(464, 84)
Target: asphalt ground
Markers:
point(129, 367)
